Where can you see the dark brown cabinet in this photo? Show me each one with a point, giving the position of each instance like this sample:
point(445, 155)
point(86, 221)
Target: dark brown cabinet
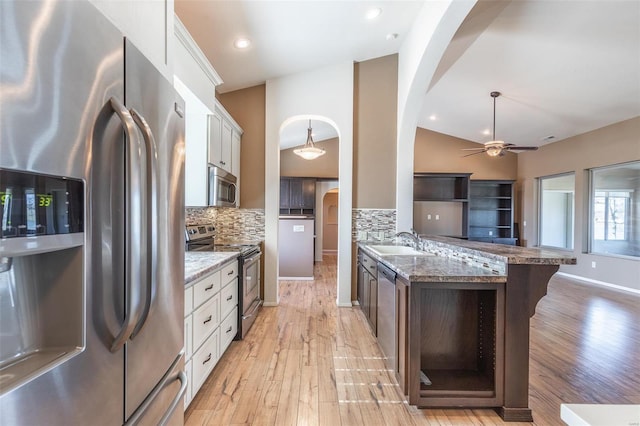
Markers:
point(491, 211)
point(297, 195)
point(368, 289)
point(441, 186)
point(455, 357)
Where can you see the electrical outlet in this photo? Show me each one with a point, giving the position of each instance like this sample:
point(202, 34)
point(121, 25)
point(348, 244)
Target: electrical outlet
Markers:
point(437, 217)
point(593, 264)
point(428, 217)
point(524, 223)
point(490, 232)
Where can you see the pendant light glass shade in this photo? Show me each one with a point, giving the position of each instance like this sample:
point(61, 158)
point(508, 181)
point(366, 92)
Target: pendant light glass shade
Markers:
point(309, 151)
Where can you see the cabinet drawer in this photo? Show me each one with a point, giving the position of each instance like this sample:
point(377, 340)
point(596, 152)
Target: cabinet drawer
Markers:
point(229, 272)
point(204, 360)
point(228, 329)
point(188, 301)
point(205, 319)
point(228, 298)
point(370, 264)
point(188, 337)
point(205, 288)
point(187, 394)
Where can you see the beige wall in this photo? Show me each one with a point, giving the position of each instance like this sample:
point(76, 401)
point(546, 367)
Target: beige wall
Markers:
point(374, 139)
point(613, 144)
point(440, 153)
point(325, 166)
point(247, 107)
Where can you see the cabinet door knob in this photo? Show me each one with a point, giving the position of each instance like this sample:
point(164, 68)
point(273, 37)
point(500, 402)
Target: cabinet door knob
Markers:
point(207, 360)
point(208, 288)
point(207, 320)
point(229, 298)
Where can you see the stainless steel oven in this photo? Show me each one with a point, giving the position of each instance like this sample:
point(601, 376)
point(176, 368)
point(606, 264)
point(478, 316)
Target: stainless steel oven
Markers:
point(202, 238)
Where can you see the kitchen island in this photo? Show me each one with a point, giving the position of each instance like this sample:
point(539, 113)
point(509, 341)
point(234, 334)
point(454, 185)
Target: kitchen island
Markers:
point(462, 313)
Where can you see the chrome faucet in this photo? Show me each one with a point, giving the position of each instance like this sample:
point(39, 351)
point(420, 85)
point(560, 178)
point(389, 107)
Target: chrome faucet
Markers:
point(413, 236)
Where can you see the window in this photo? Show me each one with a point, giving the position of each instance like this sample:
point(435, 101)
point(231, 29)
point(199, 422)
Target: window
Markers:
point(556, 210)
point(614, 208)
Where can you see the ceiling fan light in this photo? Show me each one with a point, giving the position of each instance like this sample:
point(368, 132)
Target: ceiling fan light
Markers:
point(494, 151)
point(309, 151)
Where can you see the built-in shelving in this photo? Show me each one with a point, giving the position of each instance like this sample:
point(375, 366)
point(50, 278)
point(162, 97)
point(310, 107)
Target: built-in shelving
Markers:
point(491, 211)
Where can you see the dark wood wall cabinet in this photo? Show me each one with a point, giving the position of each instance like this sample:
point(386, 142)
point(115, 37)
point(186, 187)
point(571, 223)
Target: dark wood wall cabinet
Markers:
point(297, 196)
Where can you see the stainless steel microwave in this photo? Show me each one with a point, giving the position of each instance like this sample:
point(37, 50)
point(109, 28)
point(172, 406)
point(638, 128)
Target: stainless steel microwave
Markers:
point(222, 188)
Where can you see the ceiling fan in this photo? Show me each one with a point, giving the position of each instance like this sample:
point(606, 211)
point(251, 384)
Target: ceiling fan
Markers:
point(495, 148)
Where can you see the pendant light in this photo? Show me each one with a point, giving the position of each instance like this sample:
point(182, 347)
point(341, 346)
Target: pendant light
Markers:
point(309, 151)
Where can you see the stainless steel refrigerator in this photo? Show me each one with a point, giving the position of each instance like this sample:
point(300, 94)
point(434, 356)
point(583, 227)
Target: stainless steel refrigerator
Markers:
point(91, 250)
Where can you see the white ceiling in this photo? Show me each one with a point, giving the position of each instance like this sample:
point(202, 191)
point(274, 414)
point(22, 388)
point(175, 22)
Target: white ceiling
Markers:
point(563, 67)
point(295, 133)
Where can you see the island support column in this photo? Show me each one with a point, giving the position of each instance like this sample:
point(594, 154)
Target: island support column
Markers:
point(526, 285)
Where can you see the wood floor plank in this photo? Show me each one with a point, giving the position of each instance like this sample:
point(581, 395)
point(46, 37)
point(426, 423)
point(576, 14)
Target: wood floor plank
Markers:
point(308, 362)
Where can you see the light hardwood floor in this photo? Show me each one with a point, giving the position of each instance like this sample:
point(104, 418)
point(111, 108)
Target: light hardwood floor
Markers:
point(307, 362)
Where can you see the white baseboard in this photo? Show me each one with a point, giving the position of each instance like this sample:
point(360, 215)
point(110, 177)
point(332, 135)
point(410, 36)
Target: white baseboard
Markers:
point(296, 278)
point(345, 305)
point(600, 283)
point(270, 304)
point(355, 303)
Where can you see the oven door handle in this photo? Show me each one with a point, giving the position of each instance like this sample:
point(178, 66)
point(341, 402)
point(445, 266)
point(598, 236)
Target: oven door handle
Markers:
point(252, 259)
point(253, 311)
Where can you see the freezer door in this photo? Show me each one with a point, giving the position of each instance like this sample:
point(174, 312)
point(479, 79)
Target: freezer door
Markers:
point(158, 338)
point(62, 63)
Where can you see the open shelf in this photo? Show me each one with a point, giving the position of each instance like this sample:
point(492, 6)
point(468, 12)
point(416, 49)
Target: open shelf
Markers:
point(491, 211)
point(458, 383)
point(441, 187)
point(459, 352)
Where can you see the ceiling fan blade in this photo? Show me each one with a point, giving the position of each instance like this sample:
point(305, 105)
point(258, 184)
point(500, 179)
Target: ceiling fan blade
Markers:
point(472, 149)
point(473, 153)
point(521, 148)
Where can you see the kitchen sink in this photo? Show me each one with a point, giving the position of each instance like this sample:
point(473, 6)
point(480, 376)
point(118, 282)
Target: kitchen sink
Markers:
point(397, 251)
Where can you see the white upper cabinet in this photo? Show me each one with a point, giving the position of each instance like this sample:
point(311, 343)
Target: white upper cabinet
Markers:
point(223, 130)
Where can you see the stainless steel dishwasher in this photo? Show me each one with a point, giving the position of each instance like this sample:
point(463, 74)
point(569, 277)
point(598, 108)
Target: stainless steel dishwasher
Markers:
point(387, 315)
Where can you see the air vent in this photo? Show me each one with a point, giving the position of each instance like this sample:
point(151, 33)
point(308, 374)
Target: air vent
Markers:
point(548, 138)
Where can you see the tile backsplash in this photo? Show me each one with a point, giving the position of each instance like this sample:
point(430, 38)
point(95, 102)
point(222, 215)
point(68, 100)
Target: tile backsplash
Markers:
point(230, 223)
point(376, 224)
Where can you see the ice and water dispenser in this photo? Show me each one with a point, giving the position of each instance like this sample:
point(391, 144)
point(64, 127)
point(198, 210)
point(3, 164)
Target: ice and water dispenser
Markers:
point(41, 274)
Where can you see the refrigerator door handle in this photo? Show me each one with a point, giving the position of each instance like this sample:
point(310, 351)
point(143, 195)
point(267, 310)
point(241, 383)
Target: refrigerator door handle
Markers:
point(135, 216)
point(152, 215)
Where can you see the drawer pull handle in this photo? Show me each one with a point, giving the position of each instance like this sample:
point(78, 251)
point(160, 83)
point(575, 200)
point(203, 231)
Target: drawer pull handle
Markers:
point(229, 329)
point(230, 297)
point(208, 288)
point(207, 360)
point(207, 320)
point(231, 272)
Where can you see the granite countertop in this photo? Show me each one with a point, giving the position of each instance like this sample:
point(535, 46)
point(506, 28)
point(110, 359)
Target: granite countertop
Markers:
point(436, 268)
point(513, 255)
point(456, 260)
point(199, 264)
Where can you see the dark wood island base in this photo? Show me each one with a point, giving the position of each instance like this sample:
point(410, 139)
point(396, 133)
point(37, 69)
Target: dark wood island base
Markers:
point(463, 332)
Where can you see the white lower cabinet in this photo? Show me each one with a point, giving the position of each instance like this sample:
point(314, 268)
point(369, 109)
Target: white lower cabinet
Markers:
point(210, 323)
point(187, 394)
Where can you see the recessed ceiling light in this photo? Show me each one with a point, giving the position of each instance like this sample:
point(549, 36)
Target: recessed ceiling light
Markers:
point(373, 13)
point(242, 43)
point(486, 132)
point(433, 117)
point(392, 36)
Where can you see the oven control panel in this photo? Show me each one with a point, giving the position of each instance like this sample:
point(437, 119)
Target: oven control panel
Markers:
point(197, 232)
